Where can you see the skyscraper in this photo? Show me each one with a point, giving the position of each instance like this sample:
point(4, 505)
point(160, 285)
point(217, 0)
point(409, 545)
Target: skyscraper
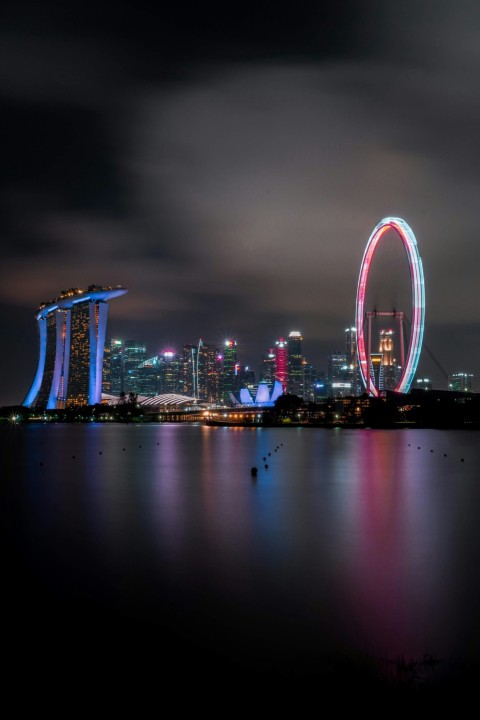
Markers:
point(338, 375)
point(281, 362)
point(389, 363)
point(134, 354)
point(190, 353)
point(267, 372)
point(122, 372)
point(72, 330)
point(229, 374)
point(352, 360)
point(461, 382)
point(208, 372)
point(113, 368)
point(295, 369)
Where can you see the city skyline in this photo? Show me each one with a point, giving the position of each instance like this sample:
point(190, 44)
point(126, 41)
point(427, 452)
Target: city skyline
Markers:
point(230, 174)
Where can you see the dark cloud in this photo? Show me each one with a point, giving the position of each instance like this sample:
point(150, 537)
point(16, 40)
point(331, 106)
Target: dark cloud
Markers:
point(228, 167)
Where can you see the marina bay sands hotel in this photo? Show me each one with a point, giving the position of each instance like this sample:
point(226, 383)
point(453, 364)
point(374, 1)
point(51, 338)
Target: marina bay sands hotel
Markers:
point(72, 331)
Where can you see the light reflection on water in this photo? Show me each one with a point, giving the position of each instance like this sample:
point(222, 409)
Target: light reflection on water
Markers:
point(356, 540)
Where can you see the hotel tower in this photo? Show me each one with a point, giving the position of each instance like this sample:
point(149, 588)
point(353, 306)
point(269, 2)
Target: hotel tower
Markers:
point(72, 331)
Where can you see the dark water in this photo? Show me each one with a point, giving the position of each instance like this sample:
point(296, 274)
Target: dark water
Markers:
point(152, 547)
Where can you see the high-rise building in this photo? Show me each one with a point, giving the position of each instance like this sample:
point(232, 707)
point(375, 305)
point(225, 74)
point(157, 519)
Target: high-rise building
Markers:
point(230, 370)
point(281, 362)
point(202, 371)
point(352, 360)
point(147, 381)
point(107, 370)
point(189, 370)
point(423, 384)
point(72, 331)
point(170, 372)
point(267, 372)
point(295, 358)
point(376, 370)
point(339, 378)
point(461, 382)
point(134, 354)
point(391, 369)
point(122, 373)
point(208, 372)
point(113, 370)
point(309, 377)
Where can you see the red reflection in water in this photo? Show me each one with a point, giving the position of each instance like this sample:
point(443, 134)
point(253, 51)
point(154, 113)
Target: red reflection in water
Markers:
point(382, 582)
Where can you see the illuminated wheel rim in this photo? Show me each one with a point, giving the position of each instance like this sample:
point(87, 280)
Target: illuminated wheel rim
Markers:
point(418, 302)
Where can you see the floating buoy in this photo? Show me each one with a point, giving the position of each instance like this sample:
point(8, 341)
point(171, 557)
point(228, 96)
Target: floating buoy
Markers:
point(100, 452)
point(41, 464)
point(431, 450)
point(253, 471)
point(266, 466)
point(269, 454)
point(462, 460)
point(418, 447)
point(73, 457)
point(444, 454)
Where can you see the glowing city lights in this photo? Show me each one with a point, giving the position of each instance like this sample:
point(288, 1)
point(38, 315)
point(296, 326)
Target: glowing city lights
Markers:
point(418, 302)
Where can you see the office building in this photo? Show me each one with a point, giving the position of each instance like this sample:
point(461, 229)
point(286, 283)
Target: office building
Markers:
point(295, 369)
point(267, 371)
point(339, 375)
point(230, 370)
point(121, 374)
point(460, 382)
point(352, 360)
point(281, 362)
point(202, 371)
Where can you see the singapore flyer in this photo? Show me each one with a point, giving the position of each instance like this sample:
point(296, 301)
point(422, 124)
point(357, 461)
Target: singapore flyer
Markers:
point(408, 239)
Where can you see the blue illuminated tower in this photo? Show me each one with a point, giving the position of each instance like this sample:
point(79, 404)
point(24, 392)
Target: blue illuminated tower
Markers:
point(72, 331)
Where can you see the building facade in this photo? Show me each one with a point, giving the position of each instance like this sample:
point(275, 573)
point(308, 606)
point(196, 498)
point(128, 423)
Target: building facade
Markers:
point(295, 370)
point(229, 372)
point(267, 371)
point(281, 362)
point(461, 382)
point(72, 331)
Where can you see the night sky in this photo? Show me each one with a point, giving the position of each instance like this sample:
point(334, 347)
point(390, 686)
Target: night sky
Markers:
point(228, 168)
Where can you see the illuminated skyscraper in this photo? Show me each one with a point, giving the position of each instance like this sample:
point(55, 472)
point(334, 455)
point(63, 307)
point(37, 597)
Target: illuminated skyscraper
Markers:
point(113, 368)
point(170, 371)
point(461, 382)
point(134, 354)
point(202, 371)
point(391, 369)
point(352, 360)
point(72, 338)
point(267, 372)
point(376, 370)
point(122, 371)
point(339, 379)
point(295, 369)
point(281, 362)
point(189, 371)
point(229, 374)
point(208, 372)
